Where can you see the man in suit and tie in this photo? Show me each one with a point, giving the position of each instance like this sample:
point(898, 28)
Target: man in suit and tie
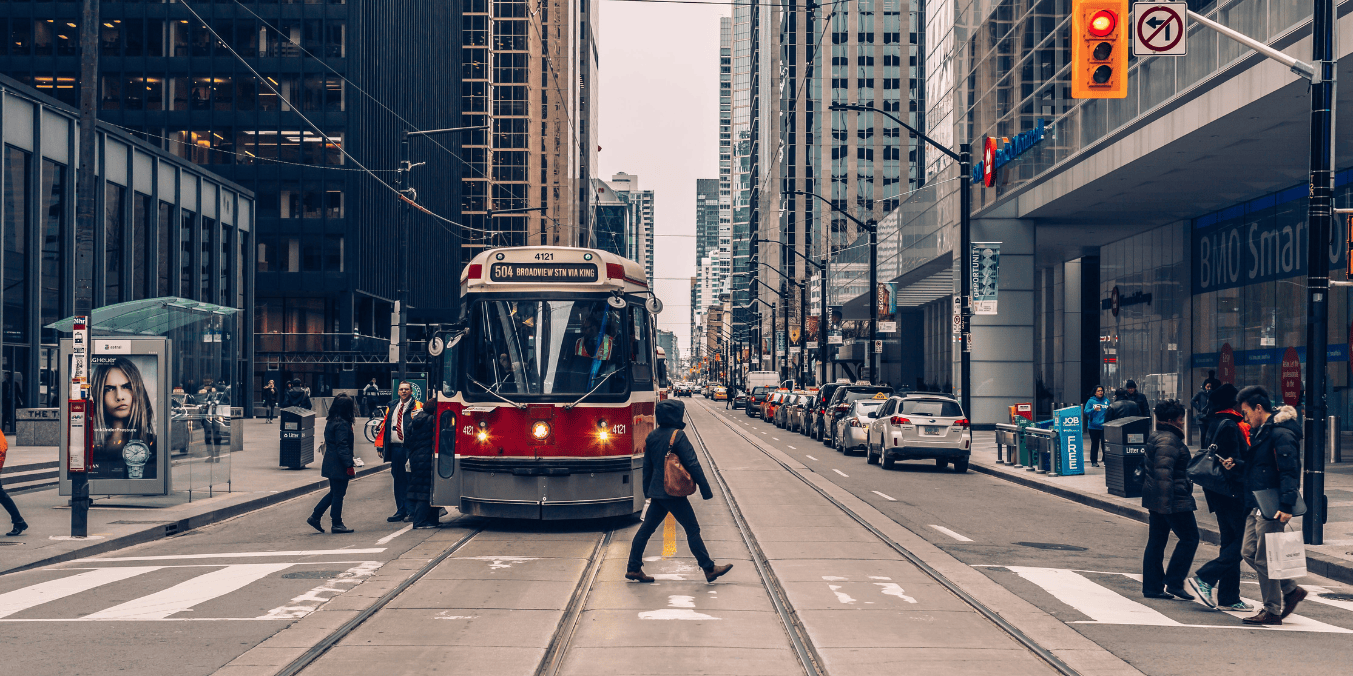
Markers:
point(391, 443)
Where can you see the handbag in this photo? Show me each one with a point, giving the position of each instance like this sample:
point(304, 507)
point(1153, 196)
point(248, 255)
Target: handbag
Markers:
point(1285, 554)
point(1206, 471)
point(676, 481)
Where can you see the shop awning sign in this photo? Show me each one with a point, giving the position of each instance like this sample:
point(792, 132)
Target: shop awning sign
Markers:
point(1159, 29)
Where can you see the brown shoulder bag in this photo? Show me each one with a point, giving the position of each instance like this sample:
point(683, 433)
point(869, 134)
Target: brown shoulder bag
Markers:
point(676, 481)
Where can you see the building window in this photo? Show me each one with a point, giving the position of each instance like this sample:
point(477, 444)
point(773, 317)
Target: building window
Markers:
point(110, 87)
point(333, 253)
point(53, 192)
point(112, 243)
point(263, 258)
point(187, 221)
point(227, 260)
point(16, 226)
point(163, 229)
point(141, 215)
point(205, 261)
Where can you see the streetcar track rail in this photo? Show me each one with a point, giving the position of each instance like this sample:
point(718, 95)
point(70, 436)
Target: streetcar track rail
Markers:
point(797, 633)
point(316, 651)
point(991, 615)
point(568, 624)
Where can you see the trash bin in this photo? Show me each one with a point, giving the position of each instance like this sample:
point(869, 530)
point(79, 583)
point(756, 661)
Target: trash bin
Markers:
point(1025, 451)
point(1124, 451)
point(297, 447)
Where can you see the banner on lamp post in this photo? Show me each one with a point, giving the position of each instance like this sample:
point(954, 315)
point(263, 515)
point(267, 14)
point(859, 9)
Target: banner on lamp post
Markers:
point(985, 269)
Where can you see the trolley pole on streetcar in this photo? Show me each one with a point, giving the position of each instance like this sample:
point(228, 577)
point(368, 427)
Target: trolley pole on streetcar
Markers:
point(409, 197)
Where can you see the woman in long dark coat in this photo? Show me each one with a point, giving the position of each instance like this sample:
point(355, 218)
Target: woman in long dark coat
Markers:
point(338, 466)
point(418, 444)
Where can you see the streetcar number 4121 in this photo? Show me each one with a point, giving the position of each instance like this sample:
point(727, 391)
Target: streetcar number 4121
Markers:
point(544, 256)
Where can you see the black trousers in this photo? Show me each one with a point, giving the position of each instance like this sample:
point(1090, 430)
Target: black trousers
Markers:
point(397, 456)
point(1224, 571)
point(1185, 527)
point(13, 509)
point(271, 407)
point(658, 509)
point(1096, 441)
point(333, 500)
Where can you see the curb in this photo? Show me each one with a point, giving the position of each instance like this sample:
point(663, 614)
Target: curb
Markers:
point(183, 525)
point(1316, 563)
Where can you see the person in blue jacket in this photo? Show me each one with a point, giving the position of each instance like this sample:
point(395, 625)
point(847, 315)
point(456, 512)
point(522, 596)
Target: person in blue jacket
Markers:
point(1095, 408)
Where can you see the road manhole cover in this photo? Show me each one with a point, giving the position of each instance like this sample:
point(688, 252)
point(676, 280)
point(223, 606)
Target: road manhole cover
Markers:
point(1336, 597)
point(1051, 545)
point(312, 575)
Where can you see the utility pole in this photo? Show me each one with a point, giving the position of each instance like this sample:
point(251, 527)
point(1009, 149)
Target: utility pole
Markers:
point(872, 227)
point(803, 334)
point(1319, 217)
point(86, 188)
point(824, 326)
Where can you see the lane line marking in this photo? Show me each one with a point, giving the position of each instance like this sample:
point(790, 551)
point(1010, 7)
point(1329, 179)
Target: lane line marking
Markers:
point(776, 438)
point(791, 448)
point(810, 457)
point(840, 472)
point(185, 595)
point(889, 498)
point(38, 594)
point(395, 534)
point(952, 534)
point(239, 555)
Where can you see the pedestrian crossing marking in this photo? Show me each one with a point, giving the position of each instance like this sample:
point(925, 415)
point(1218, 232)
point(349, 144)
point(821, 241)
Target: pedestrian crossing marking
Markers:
point(310, 601)
point(38, 594)
point(1106, 606)
point(183, 596)
point(234, 555)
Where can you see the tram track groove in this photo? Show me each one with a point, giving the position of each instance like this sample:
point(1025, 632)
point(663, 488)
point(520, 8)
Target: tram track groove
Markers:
point(316, 651)
point(568, 623)
point(1004, 625)
point(807, 654)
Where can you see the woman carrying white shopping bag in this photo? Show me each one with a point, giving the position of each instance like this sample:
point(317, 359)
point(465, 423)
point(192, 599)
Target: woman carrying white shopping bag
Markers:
point(1272, 477)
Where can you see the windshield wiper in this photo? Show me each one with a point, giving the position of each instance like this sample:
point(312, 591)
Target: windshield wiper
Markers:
point(589, 392)
point(489, 391)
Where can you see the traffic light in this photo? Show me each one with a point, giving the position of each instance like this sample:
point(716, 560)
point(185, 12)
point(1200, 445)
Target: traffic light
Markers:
point(1099, 49)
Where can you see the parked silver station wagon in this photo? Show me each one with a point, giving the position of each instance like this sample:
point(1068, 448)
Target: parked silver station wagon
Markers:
point(918, 426)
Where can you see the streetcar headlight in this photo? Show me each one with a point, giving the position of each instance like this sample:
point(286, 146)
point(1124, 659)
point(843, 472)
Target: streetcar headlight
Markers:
point(483, 434)
point(540, 430)
point(603, 432)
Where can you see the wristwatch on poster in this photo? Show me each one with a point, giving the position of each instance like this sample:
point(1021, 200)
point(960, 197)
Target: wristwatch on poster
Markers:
point(135, 454)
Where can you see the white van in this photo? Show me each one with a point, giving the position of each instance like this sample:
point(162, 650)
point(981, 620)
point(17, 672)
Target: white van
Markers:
point(762, 379)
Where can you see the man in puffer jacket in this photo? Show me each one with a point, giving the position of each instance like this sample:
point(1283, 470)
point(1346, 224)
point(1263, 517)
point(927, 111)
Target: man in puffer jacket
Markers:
point(670, 415)
point(1167, 494)
point(1272, 462)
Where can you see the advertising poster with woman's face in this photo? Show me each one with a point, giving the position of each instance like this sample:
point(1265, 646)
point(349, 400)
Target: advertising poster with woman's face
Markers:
point(124, 390)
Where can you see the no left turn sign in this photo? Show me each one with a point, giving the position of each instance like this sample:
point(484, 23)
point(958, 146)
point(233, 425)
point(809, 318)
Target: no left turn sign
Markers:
point(1159, 28)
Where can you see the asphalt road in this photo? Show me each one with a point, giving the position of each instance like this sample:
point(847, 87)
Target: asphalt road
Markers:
point(1078, 564)
point(189, 604)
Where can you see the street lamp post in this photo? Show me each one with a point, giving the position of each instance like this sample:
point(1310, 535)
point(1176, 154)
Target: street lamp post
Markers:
point(964, 159)
point(409, 196)
point(803, 305)
point(783, 293)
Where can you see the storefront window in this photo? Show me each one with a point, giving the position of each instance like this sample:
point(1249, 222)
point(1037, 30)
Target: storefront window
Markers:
point(112, 243)
point(16, 226)
point(53, 192)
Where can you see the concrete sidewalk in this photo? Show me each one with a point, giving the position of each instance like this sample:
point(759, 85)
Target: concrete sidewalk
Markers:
point(256, 481)
point(1334, 559)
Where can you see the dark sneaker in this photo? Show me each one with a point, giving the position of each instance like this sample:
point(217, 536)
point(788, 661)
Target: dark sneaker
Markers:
point(1179, 591)
point(397, 516)
point(717, 571)
point(19, 528)
point(1264, 618)
point(1290, 601)
point(1158, 595)
point(637, 575)
point(340, 528)
point(1203, 589)
point(314, 523)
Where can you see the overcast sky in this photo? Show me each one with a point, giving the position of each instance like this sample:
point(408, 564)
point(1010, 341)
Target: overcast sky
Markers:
point(659, 120)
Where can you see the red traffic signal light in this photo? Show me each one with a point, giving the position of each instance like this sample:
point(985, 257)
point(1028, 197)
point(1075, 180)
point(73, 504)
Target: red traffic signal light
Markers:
point(1099, 49)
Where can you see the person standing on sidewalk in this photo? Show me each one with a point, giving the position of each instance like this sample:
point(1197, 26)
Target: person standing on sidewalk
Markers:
point(1122, 407)
point(1272, 462)
point(7, 502)
point(338, 467)
point(296, 396)
point(391, 443)
point(1095, 409)
point(1227, 430)
point(270, 398)
point(370, 397)
point(1137, 398)
point(1167, 494)
point(418, 445)
point(668, 436)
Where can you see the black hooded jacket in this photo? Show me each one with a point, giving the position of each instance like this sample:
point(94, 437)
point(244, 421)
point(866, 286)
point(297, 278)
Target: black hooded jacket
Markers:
point(1166, 488)
point(670, 415)
point(1274, 459)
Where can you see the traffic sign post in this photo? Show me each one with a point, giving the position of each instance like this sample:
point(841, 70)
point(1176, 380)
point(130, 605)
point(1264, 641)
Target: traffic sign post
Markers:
point(1158, 28)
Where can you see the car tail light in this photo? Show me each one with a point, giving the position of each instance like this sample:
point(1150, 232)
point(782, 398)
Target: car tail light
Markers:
point(855, 422)
point(475, 271)
point(899, 420)
point(842, 407)
point(961, 422)
point(615, 271)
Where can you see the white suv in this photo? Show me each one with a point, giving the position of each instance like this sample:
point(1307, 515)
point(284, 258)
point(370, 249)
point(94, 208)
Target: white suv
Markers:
point(920, 426)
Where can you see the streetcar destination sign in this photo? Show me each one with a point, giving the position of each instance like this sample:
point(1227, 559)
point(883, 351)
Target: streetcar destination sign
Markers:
point(543, 272)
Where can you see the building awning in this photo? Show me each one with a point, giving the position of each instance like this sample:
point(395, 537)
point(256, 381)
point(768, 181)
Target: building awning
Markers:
point(148, 317)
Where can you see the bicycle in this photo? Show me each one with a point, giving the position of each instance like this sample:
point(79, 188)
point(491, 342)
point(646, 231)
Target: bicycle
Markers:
point(372, 428)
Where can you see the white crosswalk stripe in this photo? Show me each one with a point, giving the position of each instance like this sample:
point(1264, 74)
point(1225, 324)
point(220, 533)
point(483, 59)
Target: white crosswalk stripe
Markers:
point(185, 595)
point(38, 594)
point(1104, 605)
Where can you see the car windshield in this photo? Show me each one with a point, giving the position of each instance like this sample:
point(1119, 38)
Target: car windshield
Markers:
point(857, 396)
point(939, 408)
point(863, 407)
point(547, 347)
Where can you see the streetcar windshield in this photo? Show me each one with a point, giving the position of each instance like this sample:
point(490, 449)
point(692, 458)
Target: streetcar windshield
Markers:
point(548, 348)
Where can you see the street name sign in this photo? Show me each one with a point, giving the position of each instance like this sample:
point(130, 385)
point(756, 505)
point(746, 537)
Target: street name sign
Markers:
point(1159, 28)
